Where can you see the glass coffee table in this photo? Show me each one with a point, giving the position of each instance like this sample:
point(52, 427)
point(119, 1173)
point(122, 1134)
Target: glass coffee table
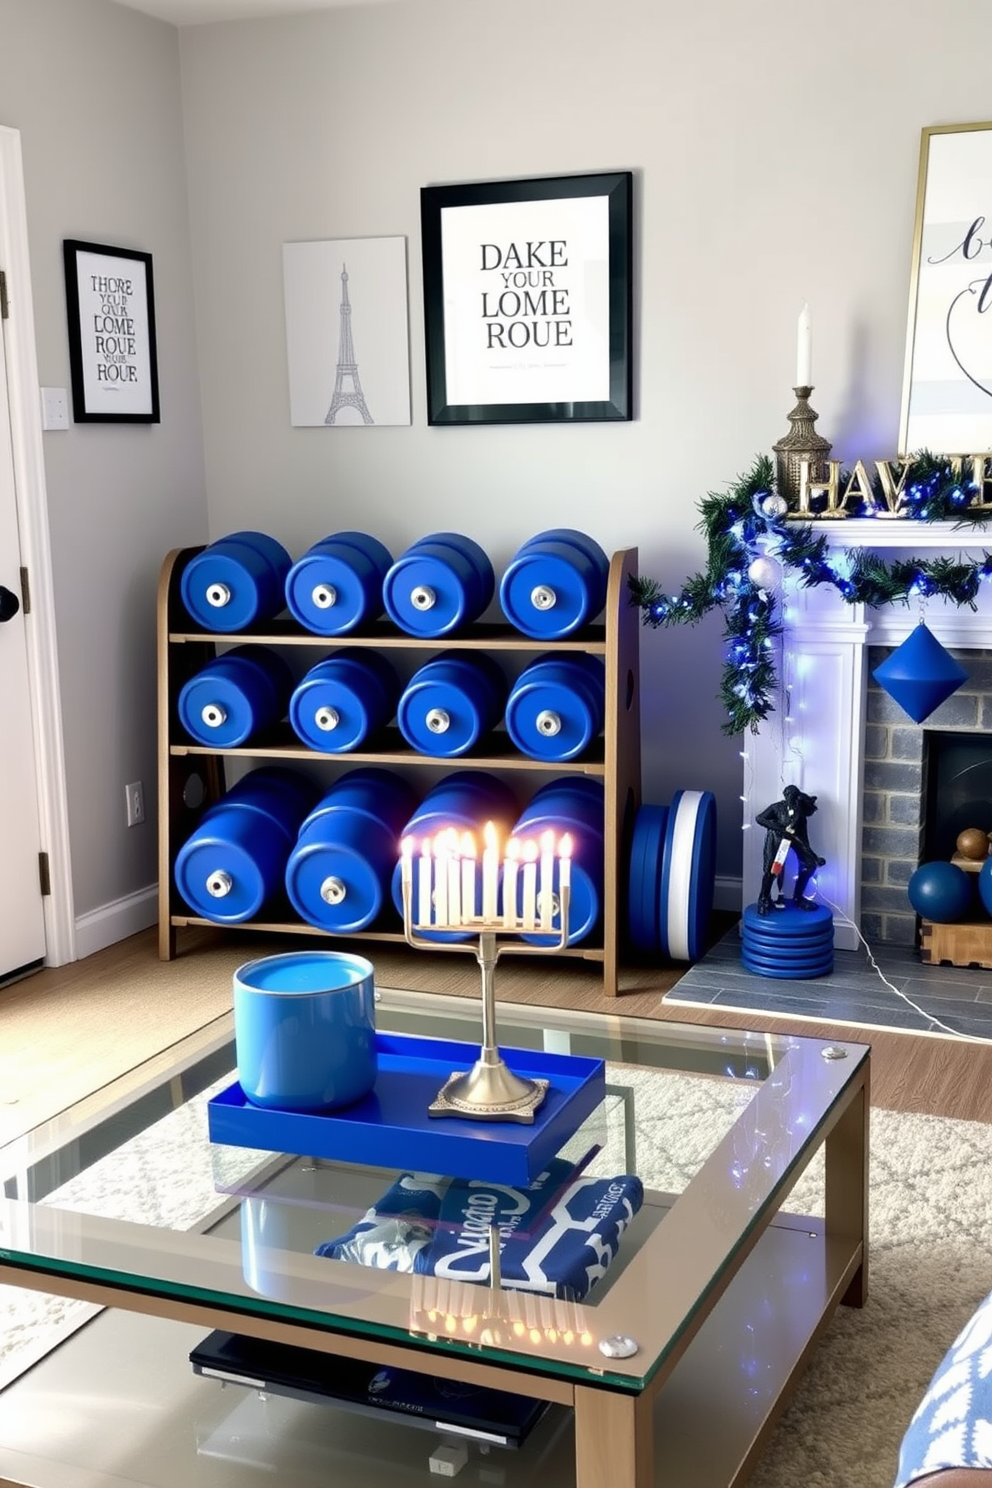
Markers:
point(166, 1241)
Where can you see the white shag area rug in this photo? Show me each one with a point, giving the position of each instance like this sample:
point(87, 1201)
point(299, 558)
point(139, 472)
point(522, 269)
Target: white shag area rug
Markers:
point(930, 1257)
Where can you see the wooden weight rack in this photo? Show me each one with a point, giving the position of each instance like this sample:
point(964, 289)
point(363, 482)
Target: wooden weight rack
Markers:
point(193, 776)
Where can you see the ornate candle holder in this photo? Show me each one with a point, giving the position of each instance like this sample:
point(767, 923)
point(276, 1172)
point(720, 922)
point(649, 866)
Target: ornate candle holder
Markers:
point(802, 443)
point(490, 1090)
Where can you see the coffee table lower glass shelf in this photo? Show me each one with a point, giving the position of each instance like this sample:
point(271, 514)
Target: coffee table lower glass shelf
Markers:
point(706, 1313)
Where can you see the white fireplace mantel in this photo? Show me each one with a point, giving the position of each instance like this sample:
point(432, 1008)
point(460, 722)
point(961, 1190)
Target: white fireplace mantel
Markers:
point(815, 736)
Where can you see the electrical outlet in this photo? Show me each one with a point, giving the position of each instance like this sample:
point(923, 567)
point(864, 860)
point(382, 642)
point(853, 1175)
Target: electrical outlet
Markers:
point(135, 803)
point(54, 408)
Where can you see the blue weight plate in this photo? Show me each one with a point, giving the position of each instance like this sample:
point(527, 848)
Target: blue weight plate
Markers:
point(308, 870)
point(353, 719)
point(797, 965)
point(532, 570)
point(420, 571)
point(353, 597)
point(197, 864)
point(789, 922)
point(779, 974)
point(783, 958)
point(218, 569)
point(803, 944)
point(645, 868)
point(687, 875)
point(788, 942)
point(230, 707)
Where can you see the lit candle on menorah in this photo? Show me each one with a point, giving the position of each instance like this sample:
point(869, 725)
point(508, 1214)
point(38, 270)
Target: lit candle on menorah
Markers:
point(446, 899)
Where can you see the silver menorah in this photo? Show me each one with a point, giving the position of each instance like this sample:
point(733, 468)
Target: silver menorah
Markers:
point(490, 1090)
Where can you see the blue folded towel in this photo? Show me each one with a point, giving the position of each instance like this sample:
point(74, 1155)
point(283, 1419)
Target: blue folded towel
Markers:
point(556, 1237)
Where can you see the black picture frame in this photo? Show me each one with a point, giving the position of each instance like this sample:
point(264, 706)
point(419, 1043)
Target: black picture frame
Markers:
point(113, 359)
point(559, 252)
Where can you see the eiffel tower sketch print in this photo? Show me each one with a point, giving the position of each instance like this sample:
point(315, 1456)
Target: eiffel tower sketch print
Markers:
point(347, 384)
point(347, 342)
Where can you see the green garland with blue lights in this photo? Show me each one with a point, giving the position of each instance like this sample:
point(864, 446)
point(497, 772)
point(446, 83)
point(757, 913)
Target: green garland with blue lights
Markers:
point(735, 522)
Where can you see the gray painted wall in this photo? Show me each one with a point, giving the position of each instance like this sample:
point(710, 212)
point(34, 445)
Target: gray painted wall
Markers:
point(94, 90)
point(776, 157)
point(776, 160)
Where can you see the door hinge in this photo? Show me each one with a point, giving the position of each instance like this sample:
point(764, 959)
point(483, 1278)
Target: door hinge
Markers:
point(4, 307)
point(25, 592)
point(44, 875)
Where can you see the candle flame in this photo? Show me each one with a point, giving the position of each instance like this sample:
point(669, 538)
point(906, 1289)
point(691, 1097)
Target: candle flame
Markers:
point(446, 843)
point(548, 841)
point(406, 847)
point(513, 850)
point(565, 846)
point(489, 836)
point(425, 848)
point(469, 849)
point(530, 852)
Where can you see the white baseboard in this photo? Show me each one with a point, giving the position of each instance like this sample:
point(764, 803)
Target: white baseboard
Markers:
point(728, 893)
point(116, 921)
point(123, 917)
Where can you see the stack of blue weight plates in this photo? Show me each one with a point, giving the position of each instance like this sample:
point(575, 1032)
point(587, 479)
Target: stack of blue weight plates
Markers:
point(789, 943)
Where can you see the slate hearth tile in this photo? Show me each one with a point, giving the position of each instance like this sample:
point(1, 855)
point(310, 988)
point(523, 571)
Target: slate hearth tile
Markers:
point(852, 993)
point(959, 989)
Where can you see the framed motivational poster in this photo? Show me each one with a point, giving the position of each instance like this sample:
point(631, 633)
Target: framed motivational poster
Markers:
point(527, 299)
point(947, 383)
point(112, 358)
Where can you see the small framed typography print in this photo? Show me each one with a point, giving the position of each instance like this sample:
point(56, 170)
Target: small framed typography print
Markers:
point(110, 303)
point(527, 299)
point(947, 381)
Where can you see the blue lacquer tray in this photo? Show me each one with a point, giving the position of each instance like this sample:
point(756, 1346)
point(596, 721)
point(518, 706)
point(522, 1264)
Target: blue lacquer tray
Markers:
point(390, 1127)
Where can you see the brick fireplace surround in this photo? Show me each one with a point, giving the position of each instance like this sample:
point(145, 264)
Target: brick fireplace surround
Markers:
point(894, 797)
point(839, 737)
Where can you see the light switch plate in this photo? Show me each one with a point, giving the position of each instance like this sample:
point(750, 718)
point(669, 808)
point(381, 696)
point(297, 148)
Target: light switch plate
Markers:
point(54, 408)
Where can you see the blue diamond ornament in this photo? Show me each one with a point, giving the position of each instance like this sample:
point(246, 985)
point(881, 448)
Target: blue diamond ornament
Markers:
point(920, 674)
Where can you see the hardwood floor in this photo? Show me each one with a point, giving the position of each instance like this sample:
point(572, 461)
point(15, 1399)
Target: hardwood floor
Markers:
point(910, 1072)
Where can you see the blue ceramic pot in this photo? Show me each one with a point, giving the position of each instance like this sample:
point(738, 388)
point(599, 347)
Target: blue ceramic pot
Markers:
point(304, 1030)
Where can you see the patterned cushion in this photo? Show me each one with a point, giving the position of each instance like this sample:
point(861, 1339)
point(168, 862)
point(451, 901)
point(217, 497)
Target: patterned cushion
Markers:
point(952, 1426)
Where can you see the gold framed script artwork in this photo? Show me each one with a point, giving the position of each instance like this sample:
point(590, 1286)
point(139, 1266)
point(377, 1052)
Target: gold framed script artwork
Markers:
point(947, 383)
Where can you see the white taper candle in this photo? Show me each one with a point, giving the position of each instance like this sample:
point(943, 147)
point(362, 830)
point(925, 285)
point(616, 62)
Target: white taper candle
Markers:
point(469, 851)
point(425, 887)
point(804, 350)
point(441, 878)
point(565, 863)
point(510, 869)
point(490, 872)
point(529, 913)
point(564, 875)
point(454, 879)
point(545, 890)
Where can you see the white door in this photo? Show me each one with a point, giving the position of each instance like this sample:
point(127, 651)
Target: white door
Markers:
point(22, 918)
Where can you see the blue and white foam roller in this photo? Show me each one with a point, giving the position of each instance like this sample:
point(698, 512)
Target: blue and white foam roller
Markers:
point(687, 875)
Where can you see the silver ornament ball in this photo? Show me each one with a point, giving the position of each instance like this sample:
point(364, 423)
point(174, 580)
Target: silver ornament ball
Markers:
point(774, 506)
point(765, 573)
